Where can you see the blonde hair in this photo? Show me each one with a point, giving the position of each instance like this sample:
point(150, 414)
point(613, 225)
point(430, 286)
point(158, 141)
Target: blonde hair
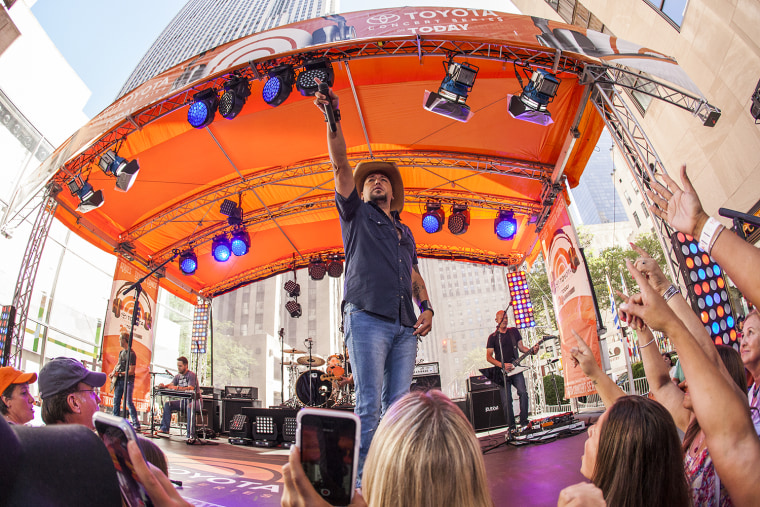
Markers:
point(425, 453)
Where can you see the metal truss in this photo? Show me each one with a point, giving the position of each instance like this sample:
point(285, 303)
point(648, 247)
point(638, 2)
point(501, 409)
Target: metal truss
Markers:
point(639, 154)
point(22, 296)
point(641, 83)
point(278, 175)
point(548, 58)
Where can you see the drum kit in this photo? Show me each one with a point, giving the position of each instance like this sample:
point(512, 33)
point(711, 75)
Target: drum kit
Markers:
point(310, 386)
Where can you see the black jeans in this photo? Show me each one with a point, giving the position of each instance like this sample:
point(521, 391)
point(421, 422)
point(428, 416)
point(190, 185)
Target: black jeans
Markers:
point(506, 399)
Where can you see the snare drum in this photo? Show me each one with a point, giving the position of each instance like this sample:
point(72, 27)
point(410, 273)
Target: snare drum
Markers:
point(311, 391)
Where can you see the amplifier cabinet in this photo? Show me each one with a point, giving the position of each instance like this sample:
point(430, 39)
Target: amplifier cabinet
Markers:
point(486, 411)
point(425, 382)
point(231, 408)
point(213, 409)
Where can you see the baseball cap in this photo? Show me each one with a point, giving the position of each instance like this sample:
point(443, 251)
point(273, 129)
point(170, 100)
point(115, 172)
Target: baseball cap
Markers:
point(63, 373)
point(10, 375)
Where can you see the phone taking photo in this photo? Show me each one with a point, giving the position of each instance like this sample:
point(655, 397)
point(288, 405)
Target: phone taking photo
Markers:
point(328, 441)
point(116, 433)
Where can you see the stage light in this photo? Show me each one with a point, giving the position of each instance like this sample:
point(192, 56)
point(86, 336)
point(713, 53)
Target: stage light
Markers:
point(334, 266)
point(452, 94)
point(432, 220)
point(279, 85)
point(240, 242)
point(292, 288)
point(505, 225)
point(321, 69)
point(237, 89)
point(220, 248)
point(293, 308)
point(459, 220)
point(233, 212)
point(125, 172)
point(706, 289)
point(89, 199)
point(519, 295)
point(188, 262)
point(203, 109)
point(317, 268)
point(531, 105)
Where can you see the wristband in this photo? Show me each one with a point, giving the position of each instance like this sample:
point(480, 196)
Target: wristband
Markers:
point(670, 292)
point(336, 112)
point(710, 232)
point(425, 306)
point(648, 343)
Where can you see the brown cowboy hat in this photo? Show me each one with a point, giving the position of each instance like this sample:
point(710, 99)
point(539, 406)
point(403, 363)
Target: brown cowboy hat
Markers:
point(363, 169)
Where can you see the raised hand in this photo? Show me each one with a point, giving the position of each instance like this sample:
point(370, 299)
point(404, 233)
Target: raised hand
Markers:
point(681, 209)
point(649, 306)
point(320, 100)
point(583, 357)
point(651, 270)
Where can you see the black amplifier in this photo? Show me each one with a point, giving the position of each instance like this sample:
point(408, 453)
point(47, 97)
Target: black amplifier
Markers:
point(479, 383)
point(240, 393)
point(211, 392)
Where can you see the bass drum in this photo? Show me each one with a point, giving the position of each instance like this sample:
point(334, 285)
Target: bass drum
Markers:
point(311, 391)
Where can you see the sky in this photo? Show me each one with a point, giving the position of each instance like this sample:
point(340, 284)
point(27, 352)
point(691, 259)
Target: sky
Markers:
point(104, 40)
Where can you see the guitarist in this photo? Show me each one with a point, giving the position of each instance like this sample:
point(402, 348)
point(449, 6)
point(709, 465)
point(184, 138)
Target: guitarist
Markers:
point(504, 346)
point(118, 380)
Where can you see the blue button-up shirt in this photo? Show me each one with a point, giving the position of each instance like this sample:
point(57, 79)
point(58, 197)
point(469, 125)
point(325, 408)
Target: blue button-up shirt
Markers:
point(378, 263)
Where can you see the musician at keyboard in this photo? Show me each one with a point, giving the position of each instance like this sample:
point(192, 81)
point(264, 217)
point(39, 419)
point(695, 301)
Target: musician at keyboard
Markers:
point(501, 350)
point(185, 380)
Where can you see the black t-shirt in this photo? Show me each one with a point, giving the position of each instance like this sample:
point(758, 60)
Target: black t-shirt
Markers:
point(123, 362)
point(507, 342)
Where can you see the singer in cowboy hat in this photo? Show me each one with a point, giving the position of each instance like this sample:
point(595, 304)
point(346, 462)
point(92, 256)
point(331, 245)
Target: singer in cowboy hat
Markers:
point(382, 279)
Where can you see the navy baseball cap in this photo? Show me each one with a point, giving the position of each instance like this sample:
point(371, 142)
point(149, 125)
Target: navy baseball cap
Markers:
point(63, 373)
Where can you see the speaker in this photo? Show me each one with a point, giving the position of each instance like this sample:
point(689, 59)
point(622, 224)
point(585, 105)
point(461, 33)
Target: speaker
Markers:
point(214, 414)
point(486, 411)
point(425, 382)
point(231, 408)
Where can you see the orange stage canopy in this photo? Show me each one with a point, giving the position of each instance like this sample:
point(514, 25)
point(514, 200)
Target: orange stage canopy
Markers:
point(274, 159)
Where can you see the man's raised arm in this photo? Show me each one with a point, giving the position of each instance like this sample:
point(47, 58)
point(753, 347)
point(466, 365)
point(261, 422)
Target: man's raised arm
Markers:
point(336, 144)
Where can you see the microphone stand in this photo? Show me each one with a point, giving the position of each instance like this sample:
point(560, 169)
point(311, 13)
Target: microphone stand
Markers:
point(137, 287)
point(508, 436)
point(282, 365)
point(309, 343)
point(153, 403)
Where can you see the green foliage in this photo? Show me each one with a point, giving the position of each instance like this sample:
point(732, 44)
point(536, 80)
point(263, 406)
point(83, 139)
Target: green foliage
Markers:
point(638, 370)
point(550, 396)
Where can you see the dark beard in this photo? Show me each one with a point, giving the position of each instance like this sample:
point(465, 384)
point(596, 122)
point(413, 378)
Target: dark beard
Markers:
point(379, 199)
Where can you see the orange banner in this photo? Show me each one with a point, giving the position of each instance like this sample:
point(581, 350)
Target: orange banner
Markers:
point(118, 319)
point(571, 293)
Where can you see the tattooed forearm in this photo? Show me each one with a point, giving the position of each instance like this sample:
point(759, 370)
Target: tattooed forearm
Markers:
point(416, 291)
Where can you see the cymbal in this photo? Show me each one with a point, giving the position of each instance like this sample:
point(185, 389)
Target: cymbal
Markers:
point(315, 361)
point(294, 351)
point(290, 363)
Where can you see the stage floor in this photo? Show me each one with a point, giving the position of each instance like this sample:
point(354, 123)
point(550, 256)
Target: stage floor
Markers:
point(229, 475)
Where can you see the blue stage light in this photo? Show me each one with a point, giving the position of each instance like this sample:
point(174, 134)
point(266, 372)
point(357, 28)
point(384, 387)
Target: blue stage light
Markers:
point(505, 225)
point(432, 220)
point(188, 262)
point(240, 242)
point(279, 85)
point(220, 248)
point(202, 111)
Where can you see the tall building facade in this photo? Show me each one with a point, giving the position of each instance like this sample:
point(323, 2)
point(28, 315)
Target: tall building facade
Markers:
point(205, 24)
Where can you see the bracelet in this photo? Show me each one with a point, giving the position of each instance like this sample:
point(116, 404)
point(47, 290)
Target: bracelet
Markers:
point(648, 343)
point(336, 112)
point(425, 306)
point(670, 292)
point(714, 238)
point(710, 232)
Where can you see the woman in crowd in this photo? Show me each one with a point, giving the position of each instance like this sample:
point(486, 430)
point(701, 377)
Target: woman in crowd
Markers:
point(423, 437)
point(750, 351)
point(16, 404)
point(633, 453)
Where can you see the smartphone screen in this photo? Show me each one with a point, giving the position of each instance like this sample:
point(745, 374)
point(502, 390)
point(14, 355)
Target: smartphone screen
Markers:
point(116, 439)
point(329, 453)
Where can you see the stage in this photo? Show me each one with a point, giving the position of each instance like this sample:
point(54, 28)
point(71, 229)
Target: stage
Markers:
point(230, 475)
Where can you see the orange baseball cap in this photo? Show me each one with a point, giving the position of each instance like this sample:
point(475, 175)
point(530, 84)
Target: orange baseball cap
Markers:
point(10, 375)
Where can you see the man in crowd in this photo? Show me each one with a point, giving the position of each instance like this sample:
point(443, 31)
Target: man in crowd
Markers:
point(185, 380)
point(504, 346)
point(382, 278)
point(118, 377)
point(69, 392)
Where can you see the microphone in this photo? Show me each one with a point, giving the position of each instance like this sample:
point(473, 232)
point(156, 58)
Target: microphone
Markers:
point(749, 219)
point(329, 112)
point(169, 373)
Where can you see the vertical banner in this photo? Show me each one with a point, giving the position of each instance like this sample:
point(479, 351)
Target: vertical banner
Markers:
point(119, 319)
point(571, 293)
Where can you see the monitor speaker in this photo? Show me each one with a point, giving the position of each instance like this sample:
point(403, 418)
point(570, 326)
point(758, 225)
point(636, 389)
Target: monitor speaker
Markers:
point(425, 382)
point(214, 414)
point(486, 411)
point(231, 408)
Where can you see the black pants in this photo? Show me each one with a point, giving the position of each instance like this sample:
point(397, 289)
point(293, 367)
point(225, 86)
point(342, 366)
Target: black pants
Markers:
point(506, 399)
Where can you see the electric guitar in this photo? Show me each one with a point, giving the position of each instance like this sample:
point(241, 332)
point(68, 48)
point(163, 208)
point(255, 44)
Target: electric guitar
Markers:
point(518, 368)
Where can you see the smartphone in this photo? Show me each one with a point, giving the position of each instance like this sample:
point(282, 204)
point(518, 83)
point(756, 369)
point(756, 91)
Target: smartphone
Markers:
point(329, 444)
point(116, 432)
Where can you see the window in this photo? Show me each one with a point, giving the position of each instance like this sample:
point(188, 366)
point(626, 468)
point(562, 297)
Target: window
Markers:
point(644, 207)
point(672, 10)
point(636, 219)
point(627, 197)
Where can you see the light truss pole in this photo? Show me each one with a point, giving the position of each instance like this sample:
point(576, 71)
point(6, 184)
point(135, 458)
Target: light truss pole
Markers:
point(22, 296)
